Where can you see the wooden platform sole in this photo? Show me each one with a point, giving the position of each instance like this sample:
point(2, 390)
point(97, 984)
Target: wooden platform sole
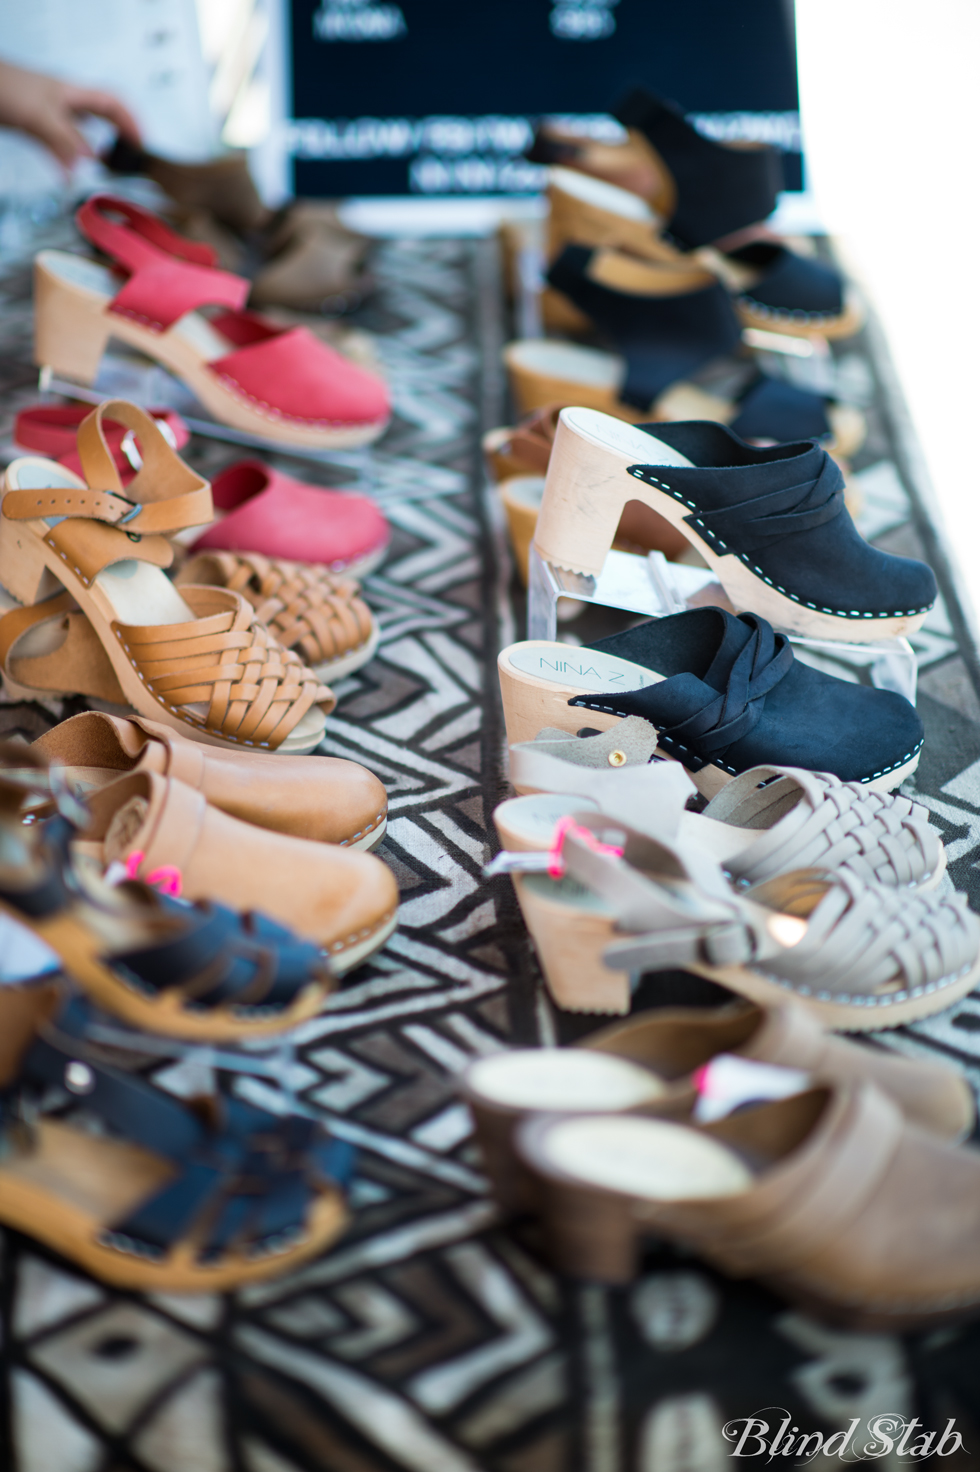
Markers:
point(850, 321)
point(587, 487)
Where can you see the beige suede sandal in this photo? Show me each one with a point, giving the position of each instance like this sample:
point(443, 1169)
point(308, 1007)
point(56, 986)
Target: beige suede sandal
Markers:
point(342, 900)
point(144, 1190)
point(659, 1063)
point(198, 662)
point(767, 821)
point(319, 617)
point(323, 798)
point(858, 956)
point(829, 1197)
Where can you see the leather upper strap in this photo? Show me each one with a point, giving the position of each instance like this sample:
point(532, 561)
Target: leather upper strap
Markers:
point(170, 276)
point(752, 525)
point(164, 496)
point(18, 621)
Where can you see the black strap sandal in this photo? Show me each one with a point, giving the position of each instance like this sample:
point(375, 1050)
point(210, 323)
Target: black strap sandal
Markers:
point(194, 971)
point(139, 1188)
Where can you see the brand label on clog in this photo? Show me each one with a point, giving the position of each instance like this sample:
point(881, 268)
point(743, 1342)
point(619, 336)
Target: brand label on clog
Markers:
point(581, 669)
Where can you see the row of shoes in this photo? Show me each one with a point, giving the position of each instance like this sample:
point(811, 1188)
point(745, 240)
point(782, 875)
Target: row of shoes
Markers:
point(692, 797)
point(186, 874)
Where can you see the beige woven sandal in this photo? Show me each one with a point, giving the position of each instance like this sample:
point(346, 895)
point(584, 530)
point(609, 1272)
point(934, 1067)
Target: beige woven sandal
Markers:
point(197, 660)
point(858, 956)
point(319, 617)
point(768, 821)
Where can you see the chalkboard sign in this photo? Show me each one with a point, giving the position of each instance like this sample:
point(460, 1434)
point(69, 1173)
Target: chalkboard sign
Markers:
point(441, 96)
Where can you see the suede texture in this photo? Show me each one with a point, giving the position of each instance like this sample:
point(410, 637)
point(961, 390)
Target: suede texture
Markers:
point(790, 282)
point(719, 189)
point(827, 566)
point(774, 410)
point(662, 338)
point(776, 711)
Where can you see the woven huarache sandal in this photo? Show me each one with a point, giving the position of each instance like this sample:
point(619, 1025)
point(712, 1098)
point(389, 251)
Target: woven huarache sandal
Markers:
point(321, 797)
point(191, 971)
point(318, 617)
point(281, 385)
point(768, 821)
point(724, 694)
point(198, 661)
point(343, 900)
point(770, 523)
point(666, 325)
point(144, 1190)
point(258, 509)
point(858, 956)
point(660, 1063)
point(805, 1194)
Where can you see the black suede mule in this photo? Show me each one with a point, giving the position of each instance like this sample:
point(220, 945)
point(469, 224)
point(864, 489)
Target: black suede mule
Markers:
point(770, 522)
point(724, 694)
point(664, 335)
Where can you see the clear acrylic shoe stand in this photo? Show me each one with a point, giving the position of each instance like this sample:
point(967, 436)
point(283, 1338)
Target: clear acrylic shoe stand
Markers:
point(128, 376)
point(653, 586)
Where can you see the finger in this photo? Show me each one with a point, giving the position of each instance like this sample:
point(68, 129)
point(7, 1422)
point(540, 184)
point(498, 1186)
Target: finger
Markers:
point(58, 134)
point(105, 105)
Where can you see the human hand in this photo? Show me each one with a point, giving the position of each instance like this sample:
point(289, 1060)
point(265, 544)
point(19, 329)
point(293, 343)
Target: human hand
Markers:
point(48, 109)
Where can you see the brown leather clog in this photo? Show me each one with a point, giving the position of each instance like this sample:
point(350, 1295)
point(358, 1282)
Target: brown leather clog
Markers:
point(317, 797)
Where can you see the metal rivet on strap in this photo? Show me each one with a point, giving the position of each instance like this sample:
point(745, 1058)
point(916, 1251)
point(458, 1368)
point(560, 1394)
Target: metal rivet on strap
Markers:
point(616, 758)
point(79, 1078)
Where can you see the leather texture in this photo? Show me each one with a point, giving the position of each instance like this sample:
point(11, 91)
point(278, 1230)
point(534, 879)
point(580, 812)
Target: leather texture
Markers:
point(52, 431)
point(267, 511)
point(78, 665)
point(338, 898)
point(734, 696)
point(785, 521)
point(318, 617)
point(322, 798)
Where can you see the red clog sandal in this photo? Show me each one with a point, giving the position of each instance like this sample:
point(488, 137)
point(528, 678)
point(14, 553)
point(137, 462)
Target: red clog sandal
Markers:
point(258, 509)
point(281, 384)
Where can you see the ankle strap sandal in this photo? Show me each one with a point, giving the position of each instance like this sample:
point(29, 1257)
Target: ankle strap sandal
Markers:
point(190, 971)
point(166, 1196)
point(320, 618)
point(765, 822)
point(856, 955)
point(200, 663)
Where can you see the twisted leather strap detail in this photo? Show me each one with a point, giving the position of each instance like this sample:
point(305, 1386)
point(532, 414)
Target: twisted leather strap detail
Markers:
point(256, 692)
point(753, 525)
point(320, 617)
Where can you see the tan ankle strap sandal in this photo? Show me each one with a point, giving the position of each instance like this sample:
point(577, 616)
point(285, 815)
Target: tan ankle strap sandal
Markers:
point(320, 618)
point(199, 661)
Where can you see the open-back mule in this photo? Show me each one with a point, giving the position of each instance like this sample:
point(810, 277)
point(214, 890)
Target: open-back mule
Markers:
point(859, 956)
point(320, 618)
point(197, 660)
point(321, 797)
point(281, 384)
point(342, 900)
point(144, 1190)
point(771, 523)
point(723, 693)
point(767, 821)
point(660, 1063)
point(196, 971)
point(828, 1196)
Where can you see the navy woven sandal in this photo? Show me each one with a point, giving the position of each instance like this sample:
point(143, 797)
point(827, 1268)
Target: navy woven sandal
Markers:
point(724, 694)
point(770, 522)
